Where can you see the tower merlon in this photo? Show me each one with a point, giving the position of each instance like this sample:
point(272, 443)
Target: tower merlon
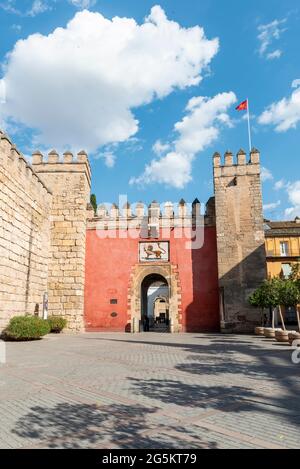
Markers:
point(169, 210)
point(53, 157)
point(114, 211)
point(14, 152)
point(255, 156)
point(240, 167)
point(101, 211)
point(228, 158)
point(182, 208)
point(216, 159)
point(6, 143)
point(140, 210)
point(68, 157)
point(82, 157)
point(241, 157)
point(37, 157)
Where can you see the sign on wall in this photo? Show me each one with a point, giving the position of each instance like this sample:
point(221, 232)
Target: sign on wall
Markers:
point(154, 251)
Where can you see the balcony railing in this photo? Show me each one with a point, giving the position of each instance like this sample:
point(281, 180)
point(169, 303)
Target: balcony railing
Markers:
point(278, 253)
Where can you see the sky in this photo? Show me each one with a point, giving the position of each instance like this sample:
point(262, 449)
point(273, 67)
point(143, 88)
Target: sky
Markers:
point(149, 90)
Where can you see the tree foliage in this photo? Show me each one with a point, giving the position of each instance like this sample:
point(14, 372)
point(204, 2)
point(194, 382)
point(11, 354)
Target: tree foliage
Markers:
point(93, 201)
point(289, 292)
point(266, 295)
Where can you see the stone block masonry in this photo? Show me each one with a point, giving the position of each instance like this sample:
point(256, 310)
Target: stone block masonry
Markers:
point(69, 181)
point(240, 238)
point(51, 242)
point(25, 203)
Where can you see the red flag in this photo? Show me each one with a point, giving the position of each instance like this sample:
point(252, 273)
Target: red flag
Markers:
point(243, 106)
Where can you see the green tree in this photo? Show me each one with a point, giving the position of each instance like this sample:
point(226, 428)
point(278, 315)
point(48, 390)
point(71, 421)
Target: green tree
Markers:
point(289, 295)
point(93, 201)
point(295, 273)
point(257, 300)
point(266, 296)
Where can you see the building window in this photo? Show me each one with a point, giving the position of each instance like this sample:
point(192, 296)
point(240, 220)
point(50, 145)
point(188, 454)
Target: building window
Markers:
point(286, 270)
point(284, 248)
point(153, 231)
point(113, 301)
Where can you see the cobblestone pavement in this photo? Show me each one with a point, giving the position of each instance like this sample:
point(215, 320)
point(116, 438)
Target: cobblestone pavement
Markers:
point(149, 390)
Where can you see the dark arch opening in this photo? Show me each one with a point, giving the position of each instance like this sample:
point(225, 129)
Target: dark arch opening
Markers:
point(155, 314)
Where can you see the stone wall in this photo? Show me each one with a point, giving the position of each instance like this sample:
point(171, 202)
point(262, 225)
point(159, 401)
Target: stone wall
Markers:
point(24, 235)
point(240, 238)
point(69, 181)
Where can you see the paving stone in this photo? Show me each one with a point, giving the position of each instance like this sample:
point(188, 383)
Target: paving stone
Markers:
point(114, 390)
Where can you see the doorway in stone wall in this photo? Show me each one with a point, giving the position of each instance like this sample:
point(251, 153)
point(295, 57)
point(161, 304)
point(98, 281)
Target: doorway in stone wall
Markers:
point(155, 304)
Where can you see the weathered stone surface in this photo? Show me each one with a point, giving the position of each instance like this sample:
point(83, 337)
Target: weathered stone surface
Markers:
point(70, 184)
point(24, 235)
point(240, 240)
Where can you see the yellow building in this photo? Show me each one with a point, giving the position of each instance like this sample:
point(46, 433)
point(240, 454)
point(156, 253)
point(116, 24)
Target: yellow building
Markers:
point(282, 251)
point(282, 246)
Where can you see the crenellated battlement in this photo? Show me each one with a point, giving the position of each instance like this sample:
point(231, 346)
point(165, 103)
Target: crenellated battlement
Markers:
point(53, 157)
point(67, 162)
point(166, 214)
point(11, 157)
point(236, 166)
point(140, 210)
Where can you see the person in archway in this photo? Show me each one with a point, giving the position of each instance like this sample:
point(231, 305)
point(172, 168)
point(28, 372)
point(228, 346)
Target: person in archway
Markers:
point(146, 323)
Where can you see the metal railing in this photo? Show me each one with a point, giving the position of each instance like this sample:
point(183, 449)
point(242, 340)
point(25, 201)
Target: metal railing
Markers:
point(278, 253)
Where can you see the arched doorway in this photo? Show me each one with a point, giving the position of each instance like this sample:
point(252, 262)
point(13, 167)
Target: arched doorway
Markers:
point(155, 304)
point(166, 272)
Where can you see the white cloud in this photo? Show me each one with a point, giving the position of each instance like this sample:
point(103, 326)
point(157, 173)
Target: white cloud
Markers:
point(16, 27)
point(296, 83)
point(109, 158)
point(293, 190)
point(9, 6)
point(160, 148)
point(266, 174)
point(2, 92)
point(284, 114)
point(174, 169)
point(279, 185)
point(83, 3)
point(272, 206)
point(268, 33)
point(37, 7)
point(274, 55)
point(292, 212)
point(78, 85)
point(198, 129)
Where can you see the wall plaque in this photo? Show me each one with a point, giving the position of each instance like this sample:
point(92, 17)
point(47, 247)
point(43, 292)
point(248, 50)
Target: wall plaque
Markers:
point(154, 251)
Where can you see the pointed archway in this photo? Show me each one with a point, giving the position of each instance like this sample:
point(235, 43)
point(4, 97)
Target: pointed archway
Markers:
point(169, 274)
point(155, 304)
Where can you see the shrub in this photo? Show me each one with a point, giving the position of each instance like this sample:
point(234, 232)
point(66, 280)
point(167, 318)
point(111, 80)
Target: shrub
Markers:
point(26, 328)
point(57, 323)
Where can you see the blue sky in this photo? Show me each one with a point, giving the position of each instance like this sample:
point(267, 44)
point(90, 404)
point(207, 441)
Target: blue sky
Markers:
point(152, 97)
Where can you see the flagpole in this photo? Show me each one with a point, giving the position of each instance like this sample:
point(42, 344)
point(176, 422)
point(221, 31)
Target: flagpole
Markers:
point(249, 128)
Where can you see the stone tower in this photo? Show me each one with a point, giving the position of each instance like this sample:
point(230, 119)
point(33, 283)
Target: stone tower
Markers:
point(69, 181)
point(240, 237)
